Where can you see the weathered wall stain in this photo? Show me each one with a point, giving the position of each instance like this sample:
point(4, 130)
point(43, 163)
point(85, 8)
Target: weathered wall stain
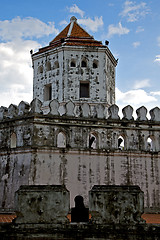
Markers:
point(37, 159)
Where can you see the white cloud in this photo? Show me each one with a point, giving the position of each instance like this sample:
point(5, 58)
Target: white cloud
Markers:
point(112, 30)
point(92, 25)
point(134, 11)
point(134, 97)
point(63, 22)
point(139, 29)
point(157, 59)
point(142, 84)
point(16, 73)
point(155, 93)
point(25, 28)
point(76, 9)
point(136, 44)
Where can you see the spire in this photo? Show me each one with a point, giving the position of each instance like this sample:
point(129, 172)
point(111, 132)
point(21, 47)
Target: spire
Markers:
point(72, 21)
point(73, 29)
point(72, 35)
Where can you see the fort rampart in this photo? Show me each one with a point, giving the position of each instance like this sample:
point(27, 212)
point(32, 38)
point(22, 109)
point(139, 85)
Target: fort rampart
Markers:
point(79, 146)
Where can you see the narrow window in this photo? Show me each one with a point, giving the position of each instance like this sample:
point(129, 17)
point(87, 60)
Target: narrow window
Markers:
point(84, 90)
point(40, 69)
point(56, 64)
point(48, 66)
point(83, 64)
point(48, 92)
point(120, 143)
point(61, 140)
point(111, 95)
point(149, 144)
point(95, 64)
point(13, 140)
point(73, 64)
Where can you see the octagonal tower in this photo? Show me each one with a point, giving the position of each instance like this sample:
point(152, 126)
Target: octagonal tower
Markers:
point(74, 67)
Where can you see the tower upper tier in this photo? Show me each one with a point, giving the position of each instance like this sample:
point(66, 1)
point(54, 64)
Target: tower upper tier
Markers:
point(74, 66)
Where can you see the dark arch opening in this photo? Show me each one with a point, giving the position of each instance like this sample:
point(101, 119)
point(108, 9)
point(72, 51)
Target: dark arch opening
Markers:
point(73, 64)
point(95, 65)
point(79, 213)
point(83, 64)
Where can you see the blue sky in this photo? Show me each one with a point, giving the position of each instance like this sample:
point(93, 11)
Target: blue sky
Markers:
point(132, 28)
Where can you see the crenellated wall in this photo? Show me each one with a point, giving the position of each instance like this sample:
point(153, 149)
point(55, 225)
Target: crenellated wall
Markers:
point(79, 146)
point(139, 134)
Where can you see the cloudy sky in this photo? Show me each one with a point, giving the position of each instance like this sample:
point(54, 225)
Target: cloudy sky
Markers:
point(131, 27)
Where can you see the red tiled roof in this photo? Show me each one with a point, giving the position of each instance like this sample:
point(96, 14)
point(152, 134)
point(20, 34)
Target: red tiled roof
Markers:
point(78, 31)
point(72, 30)
point(62, 34)
point(72, 35)
point(7, 218)
point(149, 218)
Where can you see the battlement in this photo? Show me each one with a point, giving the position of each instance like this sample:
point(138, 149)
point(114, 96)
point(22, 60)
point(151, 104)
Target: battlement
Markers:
point(79, 145)
point(83, 110)
point(79, 126)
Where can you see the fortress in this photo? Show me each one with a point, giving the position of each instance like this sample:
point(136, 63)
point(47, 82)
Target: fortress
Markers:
point(71, 133)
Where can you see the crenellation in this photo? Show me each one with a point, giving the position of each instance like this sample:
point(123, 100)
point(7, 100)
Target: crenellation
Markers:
point(12, 111)
point(85, 110)
point(70, 108)
point(113, 112)
point(36, 105)
point(23, 108)
point(127, 113)
point(100, 111)
point(3, 112)
point(141, 114)
point(54, 107)
point(155, 114)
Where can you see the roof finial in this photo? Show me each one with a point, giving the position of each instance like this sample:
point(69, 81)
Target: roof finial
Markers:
point(73, 19)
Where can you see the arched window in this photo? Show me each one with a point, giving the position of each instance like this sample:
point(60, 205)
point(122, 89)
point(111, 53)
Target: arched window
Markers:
point(149, 144)
point(48, 66)
point(95, 64)
point(73, 64)
point(56, 64)
point(84, 63)
point(61, 140)
point(92, 141)
point(40, 69)
point(121, 143)
point(13, 143)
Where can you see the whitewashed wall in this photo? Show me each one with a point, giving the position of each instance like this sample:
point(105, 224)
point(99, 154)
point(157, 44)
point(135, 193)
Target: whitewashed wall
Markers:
point(65, 80)
point(37, 157)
